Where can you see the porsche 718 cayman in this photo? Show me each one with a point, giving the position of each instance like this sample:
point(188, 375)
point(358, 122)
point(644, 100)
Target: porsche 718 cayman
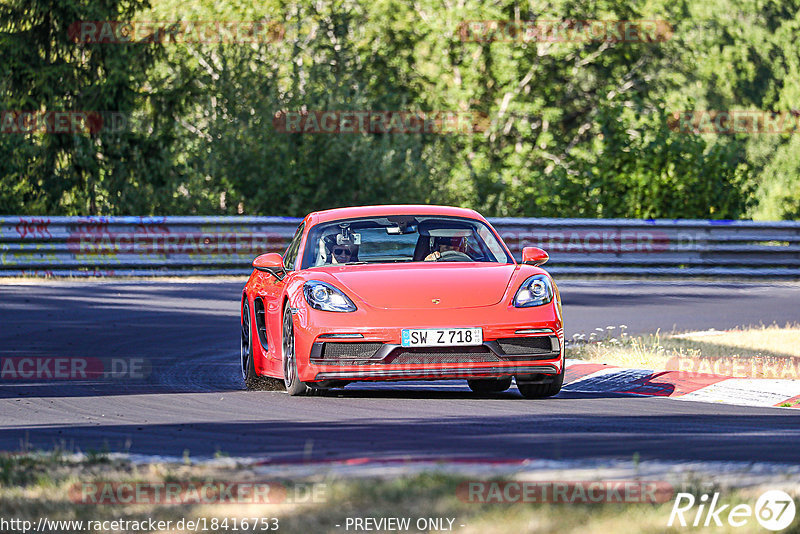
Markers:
point(401, 293)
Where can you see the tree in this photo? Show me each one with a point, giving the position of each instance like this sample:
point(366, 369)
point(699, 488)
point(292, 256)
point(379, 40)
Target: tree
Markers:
point(88, 170)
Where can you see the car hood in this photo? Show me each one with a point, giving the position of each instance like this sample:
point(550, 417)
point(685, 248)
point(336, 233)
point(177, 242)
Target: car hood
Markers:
point(421, 285)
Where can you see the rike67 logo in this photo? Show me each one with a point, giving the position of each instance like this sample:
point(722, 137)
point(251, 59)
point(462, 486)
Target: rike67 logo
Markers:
point(774, 510)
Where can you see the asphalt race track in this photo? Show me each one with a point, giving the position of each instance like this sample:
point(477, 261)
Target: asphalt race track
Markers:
point(190, 396)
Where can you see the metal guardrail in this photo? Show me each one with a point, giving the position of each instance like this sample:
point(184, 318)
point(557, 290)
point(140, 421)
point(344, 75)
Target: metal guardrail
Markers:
point(182, 246)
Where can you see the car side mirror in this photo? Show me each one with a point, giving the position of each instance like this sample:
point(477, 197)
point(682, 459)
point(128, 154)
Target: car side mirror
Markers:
point(534, 256)
point(270, 263)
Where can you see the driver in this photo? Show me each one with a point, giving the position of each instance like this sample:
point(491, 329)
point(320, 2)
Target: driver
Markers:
point(445, 244)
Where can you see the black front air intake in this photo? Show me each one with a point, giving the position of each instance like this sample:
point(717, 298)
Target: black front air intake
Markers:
point(349, 351)
point(528, 345)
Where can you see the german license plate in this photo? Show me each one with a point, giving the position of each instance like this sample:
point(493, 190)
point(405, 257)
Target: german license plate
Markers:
point(441, 337)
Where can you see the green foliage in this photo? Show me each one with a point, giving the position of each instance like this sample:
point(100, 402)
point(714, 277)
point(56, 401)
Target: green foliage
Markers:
point(104, 172)
point(290, 174)
point(576, 129)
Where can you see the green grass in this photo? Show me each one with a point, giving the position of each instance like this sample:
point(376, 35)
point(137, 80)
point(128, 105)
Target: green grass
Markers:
point(614, 346)
point(35, 485)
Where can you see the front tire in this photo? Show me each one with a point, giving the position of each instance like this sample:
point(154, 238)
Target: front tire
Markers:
point(294, 386)
point(542, 391)
point(487, 386)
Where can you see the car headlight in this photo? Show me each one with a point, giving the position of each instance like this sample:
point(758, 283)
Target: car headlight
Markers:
point(535, 291)
point(322, 296)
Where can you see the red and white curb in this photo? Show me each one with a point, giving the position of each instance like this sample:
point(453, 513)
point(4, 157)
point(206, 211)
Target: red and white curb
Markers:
point(582, 377)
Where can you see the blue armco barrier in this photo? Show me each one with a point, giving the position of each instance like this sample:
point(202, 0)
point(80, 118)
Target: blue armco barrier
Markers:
point(184, 246)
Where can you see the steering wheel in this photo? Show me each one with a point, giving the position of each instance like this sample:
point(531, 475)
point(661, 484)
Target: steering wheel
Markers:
point(454, 255)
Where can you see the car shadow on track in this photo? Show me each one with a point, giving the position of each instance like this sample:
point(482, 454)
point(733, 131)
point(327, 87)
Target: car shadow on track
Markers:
point(456, 391)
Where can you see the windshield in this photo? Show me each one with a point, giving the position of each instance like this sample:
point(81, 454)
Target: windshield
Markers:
point(403, 238)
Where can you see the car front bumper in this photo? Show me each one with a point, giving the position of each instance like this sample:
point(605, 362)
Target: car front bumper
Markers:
point(374, 335)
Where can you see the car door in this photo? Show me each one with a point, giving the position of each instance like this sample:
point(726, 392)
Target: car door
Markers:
point(271, 293)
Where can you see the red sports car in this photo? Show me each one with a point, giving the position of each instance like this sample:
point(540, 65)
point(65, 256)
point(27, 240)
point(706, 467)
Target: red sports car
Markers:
point(401, 293)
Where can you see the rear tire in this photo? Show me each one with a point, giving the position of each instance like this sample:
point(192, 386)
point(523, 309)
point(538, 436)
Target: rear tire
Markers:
point(487, 386)
point(294, 386)
point(542, 391)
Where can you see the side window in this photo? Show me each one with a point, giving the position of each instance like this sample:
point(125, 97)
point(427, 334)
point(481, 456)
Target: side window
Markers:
point(290, 256)
point(492, 244)
point(474, 249)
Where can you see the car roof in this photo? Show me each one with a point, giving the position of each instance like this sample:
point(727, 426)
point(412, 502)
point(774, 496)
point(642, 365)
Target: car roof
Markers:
point(391, 209)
